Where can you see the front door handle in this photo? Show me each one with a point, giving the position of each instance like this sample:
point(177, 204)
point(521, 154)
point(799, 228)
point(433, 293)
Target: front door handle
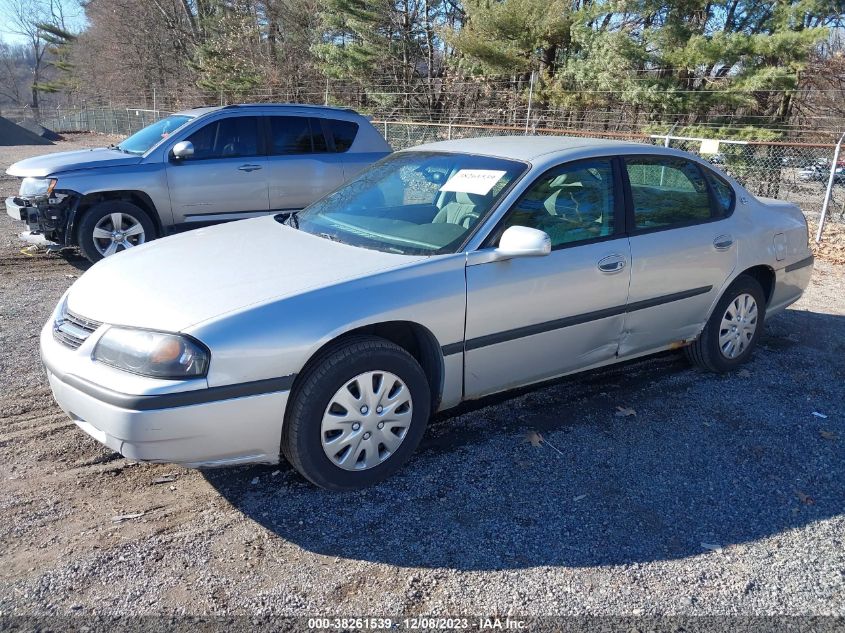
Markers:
point(723, 242)
point(611, 264)
point(249, 167)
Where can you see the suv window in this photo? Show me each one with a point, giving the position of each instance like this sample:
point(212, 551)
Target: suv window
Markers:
point(667, 192)
point(571, 203)
point(296, 135)
point(344, 133)
point(231, 137)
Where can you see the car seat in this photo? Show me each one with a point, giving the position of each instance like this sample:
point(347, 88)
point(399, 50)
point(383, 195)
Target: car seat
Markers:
point(464, 210)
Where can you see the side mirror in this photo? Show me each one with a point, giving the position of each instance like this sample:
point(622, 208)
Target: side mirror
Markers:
point(522, 241)
point(182, 149)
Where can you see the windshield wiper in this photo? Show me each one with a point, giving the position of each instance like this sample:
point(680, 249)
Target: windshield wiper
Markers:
point(118, 148)
point(288, 218)
point(333, 238)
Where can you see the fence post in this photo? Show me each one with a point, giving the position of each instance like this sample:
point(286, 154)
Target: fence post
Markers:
point(829, 193)
point(530, 99)
point(449, 132)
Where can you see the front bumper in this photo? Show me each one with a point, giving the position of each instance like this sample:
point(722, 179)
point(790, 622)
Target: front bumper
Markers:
point(53, 217)
point(18, 210)
point(222, 432)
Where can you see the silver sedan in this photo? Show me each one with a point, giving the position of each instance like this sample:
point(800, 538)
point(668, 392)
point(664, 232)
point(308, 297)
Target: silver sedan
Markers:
point(441, 274)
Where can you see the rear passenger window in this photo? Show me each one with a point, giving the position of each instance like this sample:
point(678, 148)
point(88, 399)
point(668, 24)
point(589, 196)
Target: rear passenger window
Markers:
point(295, 135)
point(231, 137)
point(667, 192)
point(723, 193)
point(571, 203)
point(344, 133)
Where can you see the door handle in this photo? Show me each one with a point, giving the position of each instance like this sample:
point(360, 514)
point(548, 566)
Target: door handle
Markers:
point(249, 167)
point(611, 264)
point(723, 242)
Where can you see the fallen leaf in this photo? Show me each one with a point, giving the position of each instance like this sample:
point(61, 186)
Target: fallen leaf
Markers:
point(820, 415)
point(622, 412)
point(713, 547)
point(534, 438)
point(579, 497)
point(828, 435)
point(126, 517)
point(743, 373)
point(806, 499)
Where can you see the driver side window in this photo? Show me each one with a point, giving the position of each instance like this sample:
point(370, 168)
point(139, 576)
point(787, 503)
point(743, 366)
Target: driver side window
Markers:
point(572, 203)
point(232, 137)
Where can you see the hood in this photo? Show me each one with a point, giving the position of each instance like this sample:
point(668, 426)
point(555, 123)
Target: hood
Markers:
point(173, 283)
point(51, 164)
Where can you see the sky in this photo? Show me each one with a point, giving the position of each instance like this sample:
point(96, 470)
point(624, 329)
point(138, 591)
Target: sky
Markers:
point(74, 17)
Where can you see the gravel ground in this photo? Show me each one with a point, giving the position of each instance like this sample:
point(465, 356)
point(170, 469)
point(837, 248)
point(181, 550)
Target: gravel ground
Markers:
point(721, 495)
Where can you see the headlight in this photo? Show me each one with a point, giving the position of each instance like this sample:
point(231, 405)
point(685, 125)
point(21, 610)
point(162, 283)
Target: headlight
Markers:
point(154, 354)
point(37, 187)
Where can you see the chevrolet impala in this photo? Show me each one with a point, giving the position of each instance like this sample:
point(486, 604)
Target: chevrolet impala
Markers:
point(440, 274)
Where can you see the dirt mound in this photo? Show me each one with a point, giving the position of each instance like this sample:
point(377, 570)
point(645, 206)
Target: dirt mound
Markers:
point(40, 130)
point(14, 134)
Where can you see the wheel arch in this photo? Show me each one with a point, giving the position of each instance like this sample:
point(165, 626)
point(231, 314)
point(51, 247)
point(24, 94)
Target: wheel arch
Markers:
point(414, 338)
point(138, 198)
point(765, 276)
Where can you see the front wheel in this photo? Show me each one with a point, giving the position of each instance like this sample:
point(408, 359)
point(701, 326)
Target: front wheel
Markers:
point(112, 226)
point(732, 331)
point(357, 415)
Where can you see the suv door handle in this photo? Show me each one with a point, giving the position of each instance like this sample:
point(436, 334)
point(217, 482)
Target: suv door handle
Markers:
point(249, 167)
point(611, 263)
point(723, 242)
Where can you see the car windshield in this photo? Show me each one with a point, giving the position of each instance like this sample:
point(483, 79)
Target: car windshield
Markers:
point(413, 203)
point(145, 138)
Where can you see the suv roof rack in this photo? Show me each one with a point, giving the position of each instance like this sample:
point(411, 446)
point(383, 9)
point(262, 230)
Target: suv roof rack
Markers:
point(290, 105)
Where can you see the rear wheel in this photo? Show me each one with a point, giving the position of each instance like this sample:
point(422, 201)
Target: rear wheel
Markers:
point(731, 333)
point(112, 226)
point(357, 415)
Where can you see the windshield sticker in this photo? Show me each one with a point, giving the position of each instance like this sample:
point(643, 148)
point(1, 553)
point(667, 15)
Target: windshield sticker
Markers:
point(479, 181)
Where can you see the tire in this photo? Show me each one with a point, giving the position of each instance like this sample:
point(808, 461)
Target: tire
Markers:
point(707, 352)
point(99, 217)
point(335, 376)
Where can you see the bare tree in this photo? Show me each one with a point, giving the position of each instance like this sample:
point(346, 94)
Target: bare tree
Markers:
point(25, 18)
point(13, 63)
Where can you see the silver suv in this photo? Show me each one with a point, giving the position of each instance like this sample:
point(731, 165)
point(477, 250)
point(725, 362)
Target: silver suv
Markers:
point(193, 168)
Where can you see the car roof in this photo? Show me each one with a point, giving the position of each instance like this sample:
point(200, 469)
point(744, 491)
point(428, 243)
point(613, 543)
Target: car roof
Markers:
point(525, 148)
point(196, 112)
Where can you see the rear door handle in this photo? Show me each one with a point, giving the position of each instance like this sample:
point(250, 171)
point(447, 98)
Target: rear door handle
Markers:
point(723, 242)
point(611, 264)
point(249, 167)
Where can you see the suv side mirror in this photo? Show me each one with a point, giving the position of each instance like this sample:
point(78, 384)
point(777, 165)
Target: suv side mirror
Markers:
point(182, 149)
point(522, 241)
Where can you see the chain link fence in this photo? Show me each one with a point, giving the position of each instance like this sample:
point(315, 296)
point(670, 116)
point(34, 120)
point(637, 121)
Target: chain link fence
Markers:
point(795, 172)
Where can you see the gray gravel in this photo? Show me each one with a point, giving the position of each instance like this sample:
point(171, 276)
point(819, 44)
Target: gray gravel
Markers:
point(722, 495)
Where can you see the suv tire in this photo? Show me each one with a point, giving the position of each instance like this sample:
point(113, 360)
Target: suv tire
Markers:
point(112, 226)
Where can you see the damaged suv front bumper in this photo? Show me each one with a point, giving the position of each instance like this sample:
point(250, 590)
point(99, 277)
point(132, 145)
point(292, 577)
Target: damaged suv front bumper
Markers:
point(52, 217)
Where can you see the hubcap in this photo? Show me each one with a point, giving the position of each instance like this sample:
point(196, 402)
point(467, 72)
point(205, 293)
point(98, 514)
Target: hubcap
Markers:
point(366, 420)
point(738, 326)
point(117, 231)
